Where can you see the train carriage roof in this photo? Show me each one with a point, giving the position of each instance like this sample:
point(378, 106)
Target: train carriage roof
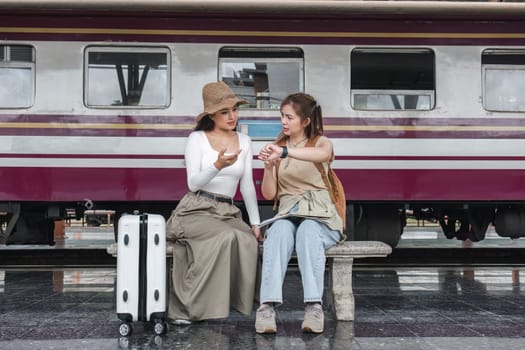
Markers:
point(445, 9)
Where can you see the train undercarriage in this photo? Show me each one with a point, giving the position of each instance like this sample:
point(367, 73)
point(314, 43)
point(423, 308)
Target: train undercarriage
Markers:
point(33, 223)
point(385, 222)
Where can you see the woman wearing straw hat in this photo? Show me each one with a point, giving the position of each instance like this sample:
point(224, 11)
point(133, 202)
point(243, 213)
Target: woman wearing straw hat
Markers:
point(215, 251)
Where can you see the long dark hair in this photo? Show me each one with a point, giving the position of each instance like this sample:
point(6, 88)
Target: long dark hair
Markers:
point(205, 124)
point(306, 106)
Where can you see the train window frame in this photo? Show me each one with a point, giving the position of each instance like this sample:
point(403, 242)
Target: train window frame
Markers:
point(262, 55)
point(378, 93)
point(500, 60)
point(128, 50)
point(7, 62)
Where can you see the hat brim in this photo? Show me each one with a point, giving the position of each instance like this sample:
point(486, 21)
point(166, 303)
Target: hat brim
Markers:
point(226, 103)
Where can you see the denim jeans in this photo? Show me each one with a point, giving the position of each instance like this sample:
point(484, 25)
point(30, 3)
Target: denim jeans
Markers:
point(310, 238)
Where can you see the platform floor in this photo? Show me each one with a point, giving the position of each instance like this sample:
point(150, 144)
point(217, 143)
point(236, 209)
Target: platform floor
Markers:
point(396, 308)
point(448, 307)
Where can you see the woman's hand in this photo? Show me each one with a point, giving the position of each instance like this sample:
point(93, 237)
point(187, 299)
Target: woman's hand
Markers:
point(270, 164)
point(270, 152)
point(257, 233)
point(226, 159)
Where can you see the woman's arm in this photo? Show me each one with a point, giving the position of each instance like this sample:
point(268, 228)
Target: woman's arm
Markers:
point(318, 154)
point(197, 178)
point(247, 186)
point(247, 189)
point(322, 152)
point(269, 181)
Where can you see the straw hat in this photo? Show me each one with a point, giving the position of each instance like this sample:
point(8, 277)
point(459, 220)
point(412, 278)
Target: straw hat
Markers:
point(217, 96)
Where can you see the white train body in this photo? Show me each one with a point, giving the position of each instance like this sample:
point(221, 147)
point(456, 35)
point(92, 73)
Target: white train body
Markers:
point(451, 147)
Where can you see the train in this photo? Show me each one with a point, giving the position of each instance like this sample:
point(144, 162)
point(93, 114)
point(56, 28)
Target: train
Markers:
point(423, 101)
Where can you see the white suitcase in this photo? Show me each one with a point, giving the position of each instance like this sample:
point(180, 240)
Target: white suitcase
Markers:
point(141, 271)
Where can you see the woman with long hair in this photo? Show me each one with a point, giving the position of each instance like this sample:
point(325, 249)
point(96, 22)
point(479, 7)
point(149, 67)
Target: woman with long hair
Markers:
point(311, 225)
point(214, 250)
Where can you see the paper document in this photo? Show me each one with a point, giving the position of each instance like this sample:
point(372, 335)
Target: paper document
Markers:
point(275, 218)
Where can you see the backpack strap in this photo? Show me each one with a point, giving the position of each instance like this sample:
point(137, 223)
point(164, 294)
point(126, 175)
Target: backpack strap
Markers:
point(328, 182)
point(276, 166)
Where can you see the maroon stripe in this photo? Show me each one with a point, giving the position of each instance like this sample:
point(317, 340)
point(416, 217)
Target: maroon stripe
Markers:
point(176, 120)
point(181, 156)
point(94, 132)
point(411, 158)
point(254, 12)
point(507, 134)
point(421, 185)
point(255, 23)
point(167, 121)
point(252, 23)
point(110, 119)
point(425, 121)
point(154, 120)
point(76, 184)
point(92, 156)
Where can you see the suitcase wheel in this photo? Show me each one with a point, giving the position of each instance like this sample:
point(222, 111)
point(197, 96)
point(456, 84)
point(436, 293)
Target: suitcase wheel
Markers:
point(161, 327)
point(124, 329)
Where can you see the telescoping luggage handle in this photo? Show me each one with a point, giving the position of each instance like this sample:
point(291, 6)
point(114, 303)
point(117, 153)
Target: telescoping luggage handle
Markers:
point(143, 278)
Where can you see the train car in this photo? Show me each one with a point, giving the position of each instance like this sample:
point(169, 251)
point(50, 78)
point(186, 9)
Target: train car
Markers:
point(423, 101)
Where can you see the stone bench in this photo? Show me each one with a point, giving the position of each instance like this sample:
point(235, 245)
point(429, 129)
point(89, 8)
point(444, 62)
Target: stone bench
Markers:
point(340, 258)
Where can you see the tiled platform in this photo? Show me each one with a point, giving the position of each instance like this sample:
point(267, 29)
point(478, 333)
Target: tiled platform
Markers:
point(396, 308)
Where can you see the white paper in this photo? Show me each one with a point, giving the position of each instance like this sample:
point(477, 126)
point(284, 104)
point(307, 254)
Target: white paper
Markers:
point(275, 218)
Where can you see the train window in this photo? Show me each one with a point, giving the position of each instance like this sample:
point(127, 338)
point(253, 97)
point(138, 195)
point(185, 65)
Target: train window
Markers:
point(17, 76)
point(127, 77)
point(503, 74)
point(392, 79)
point(263, 76)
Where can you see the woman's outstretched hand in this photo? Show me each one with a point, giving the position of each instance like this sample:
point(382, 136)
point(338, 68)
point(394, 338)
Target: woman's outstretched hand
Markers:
point(226, 159)
point(270, 152)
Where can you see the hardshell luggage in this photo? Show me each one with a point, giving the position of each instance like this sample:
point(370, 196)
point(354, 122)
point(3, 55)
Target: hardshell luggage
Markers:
point(141, 271)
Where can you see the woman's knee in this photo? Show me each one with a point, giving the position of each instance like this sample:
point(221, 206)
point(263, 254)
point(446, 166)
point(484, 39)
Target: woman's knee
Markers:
point(280, 231)
point(308, 229)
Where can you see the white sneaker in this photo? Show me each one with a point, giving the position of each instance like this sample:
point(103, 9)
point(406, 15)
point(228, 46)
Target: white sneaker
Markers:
point(313, 318)
point(265, 319)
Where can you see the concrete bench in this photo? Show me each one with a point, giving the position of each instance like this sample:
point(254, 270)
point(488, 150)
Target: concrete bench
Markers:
point(340, 258)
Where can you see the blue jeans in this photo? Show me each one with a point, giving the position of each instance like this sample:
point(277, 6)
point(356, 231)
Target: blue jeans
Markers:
point(310, 238)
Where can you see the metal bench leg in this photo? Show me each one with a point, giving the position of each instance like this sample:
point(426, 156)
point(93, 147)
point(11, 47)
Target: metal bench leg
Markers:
point(342, 295)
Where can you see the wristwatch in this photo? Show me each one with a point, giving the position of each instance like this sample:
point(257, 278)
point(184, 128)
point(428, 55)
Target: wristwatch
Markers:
point(284, 154)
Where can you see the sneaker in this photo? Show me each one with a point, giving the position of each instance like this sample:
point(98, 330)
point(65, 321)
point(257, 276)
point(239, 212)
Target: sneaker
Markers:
point(181, 322)
point(313, 318)
point(265, 319)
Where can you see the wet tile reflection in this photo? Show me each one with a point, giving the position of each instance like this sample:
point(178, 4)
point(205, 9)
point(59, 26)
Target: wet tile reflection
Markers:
point(62, 308)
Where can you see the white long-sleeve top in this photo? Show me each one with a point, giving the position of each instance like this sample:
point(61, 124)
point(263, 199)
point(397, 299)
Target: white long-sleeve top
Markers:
point(203, 175)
